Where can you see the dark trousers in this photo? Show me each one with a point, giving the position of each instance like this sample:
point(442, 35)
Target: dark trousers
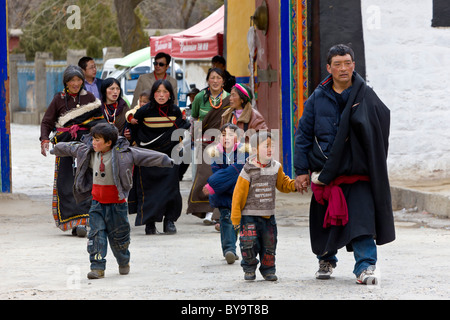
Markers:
point(364, 251)
point(228, 235)
point(108, 222)
point(258, 236)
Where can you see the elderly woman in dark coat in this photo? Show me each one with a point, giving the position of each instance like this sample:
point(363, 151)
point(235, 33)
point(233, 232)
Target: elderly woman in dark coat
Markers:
point(69, 116)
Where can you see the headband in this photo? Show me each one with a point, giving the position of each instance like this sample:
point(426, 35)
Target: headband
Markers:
point(244, 90)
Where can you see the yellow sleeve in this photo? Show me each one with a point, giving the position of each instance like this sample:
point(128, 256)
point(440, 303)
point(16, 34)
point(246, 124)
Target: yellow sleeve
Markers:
point(239, 199)
point(284, 183)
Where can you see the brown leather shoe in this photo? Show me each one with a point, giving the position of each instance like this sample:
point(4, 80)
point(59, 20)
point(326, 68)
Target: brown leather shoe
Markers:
point(124, 269)
point(96, 274)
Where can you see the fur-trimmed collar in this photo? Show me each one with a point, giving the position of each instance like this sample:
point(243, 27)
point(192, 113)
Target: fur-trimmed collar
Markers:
point(245, 116)
point(62, 94)
point(76, 112)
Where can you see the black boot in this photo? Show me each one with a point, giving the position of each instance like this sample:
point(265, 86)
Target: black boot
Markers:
point(79, 231)
point(169, 227)
point(150, 228)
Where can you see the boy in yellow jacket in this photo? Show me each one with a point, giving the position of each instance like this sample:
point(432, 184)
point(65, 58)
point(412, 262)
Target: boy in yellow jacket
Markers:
point(253, 207)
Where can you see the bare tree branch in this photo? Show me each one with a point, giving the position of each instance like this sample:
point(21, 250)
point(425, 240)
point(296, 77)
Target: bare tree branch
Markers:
point(130, 29)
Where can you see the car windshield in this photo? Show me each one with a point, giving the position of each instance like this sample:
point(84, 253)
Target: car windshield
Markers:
point(132, 77)
point(117, 73)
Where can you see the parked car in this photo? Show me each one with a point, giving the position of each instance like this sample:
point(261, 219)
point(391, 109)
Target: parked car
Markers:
point(109, 67)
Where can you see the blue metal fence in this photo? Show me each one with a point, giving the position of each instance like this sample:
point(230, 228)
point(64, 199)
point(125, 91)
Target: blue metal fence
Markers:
point(54, 71)
point(26, 78)
point(54, 82)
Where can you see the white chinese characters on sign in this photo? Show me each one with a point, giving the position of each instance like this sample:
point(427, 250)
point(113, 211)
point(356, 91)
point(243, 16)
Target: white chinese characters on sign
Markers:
point(187, 47)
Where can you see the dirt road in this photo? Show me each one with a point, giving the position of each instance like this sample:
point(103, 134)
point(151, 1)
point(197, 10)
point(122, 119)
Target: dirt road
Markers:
point(38, 261)
point(41, 262)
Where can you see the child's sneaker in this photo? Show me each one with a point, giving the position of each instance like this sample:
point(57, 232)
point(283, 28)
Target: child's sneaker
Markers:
point(96, 274)
point(270, 277)
point(208, 219)
point(325, 270)
point(123, 270)
point(367, 276)
point(249, 276)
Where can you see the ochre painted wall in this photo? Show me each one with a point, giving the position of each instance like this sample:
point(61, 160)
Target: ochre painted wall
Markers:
point(238, 24)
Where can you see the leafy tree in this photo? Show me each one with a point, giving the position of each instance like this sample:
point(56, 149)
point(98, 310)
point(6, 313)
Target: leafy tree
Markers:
point(50, 28)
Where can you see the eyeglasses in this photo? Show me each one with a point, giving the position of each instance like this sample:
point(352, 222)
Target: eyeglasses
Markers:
point(160, 64)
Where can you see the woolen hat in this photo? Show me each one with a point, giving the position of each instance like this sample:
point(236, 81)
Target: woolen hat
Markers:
point(72, 71)
point(245, 90)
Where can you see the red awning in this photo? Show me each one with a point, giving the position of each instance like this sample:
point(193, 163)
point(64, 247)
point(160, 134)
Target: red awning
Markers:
point(203, 40)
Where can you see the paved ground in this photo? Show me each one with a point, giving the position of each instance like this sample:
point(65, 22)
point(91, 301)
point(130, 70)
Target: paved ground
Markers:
point(39, 261)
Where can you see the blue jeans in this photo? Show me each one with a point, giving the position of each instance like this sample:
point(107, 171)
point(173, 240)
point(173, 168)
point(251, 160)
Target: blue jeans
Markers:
point(228, 235)
point(258, 235)
point(364, 251)
point(108, 222)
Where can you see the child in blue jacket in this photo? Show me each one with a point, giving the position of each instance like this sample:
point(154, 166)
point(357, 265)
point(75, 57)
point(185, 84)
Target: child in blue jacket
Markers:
point(228, 157)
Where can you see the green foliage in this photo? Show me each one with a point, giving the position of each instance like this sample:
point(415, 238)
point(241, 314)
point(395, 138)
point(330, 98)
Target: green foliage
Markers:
point(48, 31)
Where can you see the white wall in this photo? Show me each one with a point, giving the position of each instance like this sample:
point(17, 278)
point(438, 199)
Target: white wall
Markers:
point(408, 64)
point(196, 73)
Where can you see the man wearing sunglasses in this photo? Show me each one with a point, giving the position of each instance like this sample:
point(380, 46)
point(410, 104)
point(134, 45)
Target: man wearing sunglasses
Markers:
point(146, 81)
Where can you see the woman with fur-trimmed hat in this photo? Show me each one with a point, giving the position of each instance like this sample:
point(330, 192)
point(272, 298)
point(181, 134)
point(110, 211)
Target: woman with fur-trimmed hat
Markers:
point(69, 116)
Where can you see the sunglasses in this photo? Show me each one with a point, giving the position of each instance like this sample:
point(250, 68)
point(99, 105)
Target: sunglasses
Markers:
point(159, 63)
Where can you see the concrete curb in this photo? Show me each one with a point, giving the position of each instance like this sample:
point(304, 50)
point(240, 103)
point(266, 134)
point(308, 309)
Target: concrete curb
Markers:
point(13, 196)
point(434, 203)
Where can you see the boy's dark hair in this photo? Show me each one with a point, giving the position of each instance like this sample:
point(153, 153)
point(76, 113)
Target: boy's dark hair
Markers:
point(230, 126)
point(239, 132)
point(160, 55)
point(339, 50)
point(259, 137)
point(82, 63)
point(145, 93)
point(106, 131)
point(219, 59)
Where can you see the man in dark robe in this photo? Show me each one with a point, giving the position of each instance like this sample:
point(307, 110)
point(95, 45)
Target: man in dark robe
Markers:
point(341, 145)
